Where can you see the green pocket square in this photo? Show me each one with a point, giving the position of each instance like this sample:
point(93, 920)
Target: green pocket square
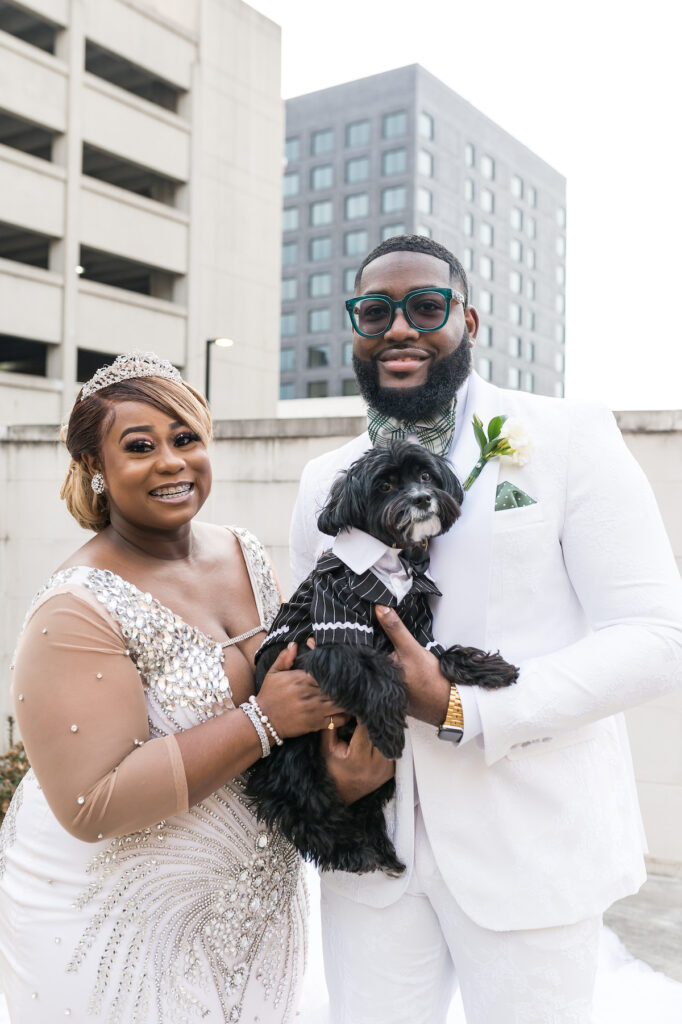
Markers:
point(509, 496)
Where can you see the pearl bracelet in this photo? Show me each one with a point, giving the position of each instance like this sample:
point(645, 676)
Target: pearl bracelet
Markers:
point(250, 713)
point(266, 721)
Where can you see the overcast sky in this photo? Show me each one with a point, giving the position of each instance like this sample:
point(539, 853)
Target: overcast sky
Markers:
point(594, 88)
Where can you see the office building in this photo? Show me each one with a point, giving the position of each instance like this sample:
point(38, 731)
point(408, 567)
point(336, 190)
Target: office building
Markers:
point(140, 176)
point(399, 153)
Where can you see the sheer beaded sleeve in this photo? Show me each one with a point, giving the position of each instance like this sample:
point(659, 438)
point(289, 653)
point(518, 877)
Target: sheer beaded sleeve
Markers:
point(82, 715)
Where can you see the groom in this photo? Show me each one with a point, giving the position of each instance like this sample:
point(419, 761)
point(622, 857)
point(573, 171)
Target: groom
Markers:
point(515, 809)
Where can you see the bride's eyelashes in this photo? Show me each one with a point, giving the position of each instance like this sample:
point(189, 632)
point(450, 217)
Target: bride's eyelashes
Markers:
point(141, 445)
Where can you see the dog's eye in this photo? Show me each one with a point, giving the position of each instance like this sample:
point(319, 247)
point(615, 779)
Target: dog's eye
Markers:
point(385, 486)
point(425, 476)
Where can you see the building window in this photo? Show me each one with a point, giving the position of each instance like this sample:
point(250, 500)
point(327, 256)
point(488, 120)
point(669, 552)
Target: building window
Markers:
point(349, 281)
point(317, 389)
point(349, 386)
point(290, 184)
point(424, 200)
point(530, 352)
point(357, 133)
point(560, 333)
point(292, 148)
point(515, 346)
point(393, 199)
point(485, 368)
point(560, 303)
point(287, 324)
point(561, 217)
point(486, 234)
point(532, 196)
point(425, 163)
point(287, 390)
point(320, 248)
point(561, 246)
point(514, 377)
point(528, 381)
point(319, 321)
point(515, 249)
point(322, 142)
point(485, 302)
point(531, 227)
point(530, 288)
point(560, 274)
point(468, 225)
point(287, 359)
point(319, 285)
point(394, 161)
point(515, 313)
point(357, 206)
point(469, 155)
point(558, 389)
point(318, 355)
point(355, 243)
point(347, 353)
point(322, 177)
point(423, 229)
point(321, 213)
point(516, 186)
point(357, 169)
point(485, 268)
point(425, 125)
point(515, 282)
point(530, 319)
point(487, 200)
point(485, 336)
point(391, 230)
point(559, 362)
point(488, 167)
point(289, 254)
point(290, 219)
point(469, 190)
point(516, 218)
point(468, 259)
point(289, 289)
point(530, 258)
point(395, 125)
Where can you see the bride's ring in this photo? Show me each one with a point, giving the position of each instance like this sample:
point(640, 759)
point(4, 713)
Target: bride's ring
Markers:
point(331, 722)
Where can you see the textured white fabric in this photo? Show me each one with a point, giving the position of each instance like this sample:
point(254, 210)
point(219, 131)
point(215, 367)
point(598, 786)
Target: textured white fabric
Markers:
point(535, 823)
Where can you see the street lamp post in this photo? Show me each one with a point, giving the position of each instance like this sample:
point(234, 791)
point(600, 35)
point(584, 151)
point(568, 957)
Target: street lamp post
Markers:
point(221, 343)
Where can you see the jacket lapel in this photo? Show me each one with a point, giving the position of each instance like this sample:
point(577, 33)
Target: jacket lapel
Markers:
point(461, 559)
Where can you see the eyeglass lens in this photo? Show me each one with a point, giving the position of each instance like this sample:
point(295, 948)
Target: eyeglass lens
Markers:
point(426, 311)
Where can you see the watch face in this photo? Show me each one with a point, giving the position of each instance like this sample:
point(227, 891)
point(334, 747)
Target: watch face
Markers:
point(450, 732)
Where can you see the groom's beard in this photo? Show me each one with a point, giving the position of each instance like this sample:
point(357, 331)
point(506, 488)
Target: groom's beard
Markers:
point(445, 377)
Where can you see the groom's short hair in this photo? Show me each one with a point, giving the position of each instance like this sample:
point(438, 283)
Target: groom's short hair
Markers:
point(417, 243)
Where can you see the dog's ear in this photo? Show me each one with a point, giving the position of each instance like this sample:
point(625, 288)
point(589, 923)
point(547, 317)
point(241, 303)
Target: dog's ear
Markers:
point(344, 506)
point(449, 482)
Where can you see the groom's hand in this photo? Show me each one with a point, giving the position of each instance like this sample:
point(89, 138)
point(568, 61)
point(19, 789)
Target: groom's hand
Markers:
point(357, 768)
point(428, 691)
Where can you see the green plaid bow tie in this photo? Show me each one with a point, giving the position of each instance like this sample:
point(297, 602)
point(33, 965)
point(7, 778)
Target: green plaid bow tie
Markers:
point(433, 432)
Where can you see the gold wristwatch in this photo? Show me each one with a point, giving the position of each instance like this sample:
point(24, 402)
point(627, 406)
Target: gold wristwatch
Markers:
point(453, 726)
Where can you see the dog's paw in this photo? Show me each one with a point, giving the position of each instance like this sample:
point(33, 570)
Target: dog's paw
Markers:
point(470, 666)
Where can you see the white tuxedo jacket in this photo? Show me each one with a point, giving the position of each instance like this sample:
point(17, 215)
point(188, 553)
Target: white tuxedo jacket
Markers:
point(535, 823)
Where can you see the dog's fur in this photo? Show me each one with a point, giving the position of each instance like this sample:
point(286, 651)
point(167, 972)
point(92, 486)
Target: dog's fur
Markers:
point(402, 495)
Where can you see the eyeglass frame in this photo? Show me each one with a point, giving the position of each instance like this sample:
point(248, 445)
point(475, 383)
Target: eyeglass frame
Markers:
point(448, 294)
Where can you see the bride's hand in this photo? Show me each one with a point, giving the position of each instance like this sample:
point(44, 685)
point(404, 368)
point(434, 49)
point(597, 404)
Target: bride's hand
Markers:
point(356, 767)
point(292, 700)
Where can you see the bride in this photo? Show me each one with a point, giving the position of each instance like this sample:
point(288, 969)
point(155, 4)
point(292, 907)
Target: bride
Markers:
point(135, 884)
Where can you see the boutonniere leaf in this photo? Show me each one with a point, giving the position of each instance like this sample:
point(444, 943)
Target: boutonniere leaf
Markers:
point(505, 438)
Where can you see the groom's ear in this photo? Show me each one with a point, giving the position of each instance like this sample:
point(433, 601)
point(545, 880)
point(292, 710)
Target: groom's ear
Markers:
point(472, 322)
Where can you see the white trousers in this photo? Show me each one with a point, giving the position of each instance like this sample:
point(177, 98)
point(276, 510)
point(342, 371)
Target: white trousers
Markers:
point(401, 964)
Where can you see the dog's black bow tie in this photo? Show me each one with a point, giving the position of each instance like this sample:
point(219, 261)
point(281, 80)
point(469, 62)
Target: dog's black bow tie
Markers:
point(415, 558)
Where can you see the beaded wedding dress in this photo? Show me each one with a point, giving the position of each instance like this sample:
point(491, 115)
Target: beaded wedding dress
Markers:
point(198, 916)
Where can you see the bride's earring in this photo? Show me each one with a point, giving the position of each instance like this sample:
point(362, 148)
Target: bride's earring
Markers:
point(97, 483)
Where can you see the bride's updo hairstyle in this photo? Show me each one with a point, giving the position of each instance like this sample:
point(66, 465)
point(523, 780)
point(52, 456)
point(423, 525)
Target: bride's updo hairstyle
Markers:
point(92, 417)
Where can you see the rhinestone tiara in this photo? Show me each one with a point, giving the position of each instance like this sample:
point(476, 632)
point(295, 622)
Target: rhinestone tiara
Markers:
point(128, 366)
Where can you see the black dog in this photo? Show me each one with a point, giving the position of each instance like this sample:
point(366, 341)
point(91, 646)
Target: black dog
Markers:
point(402, 495)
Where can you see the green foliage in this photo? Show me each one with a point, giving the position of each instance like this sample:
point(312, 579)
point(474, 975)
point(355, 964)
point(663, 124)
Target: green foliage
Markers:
point(13, 766)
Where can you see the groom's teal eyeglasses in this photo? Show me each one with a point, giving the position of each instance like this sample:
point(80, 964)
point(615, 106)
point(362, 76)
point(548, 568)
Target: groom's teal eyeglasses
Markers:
point(425, 309)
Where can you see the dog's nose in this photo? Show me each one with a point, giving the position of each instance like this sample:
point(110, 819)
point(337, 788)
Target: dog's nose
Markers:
point(422, 499)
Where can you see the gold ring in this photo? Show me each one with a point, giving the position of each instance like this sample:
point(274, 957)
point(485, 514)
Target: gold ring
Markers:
point(331, 722)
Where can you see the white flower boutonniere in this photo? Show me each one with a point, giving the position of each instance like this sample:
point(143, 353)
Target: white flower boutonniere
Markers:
point(506, 438)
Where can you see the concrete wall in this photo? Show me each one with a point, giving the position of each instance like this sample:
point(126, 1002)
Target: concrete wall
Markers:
point(257, 466)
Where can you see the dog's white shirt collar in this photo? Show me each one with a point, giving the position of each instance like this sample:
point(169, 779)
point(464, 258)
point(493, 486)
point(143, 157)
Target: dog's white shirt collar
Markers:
point(360, 551)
